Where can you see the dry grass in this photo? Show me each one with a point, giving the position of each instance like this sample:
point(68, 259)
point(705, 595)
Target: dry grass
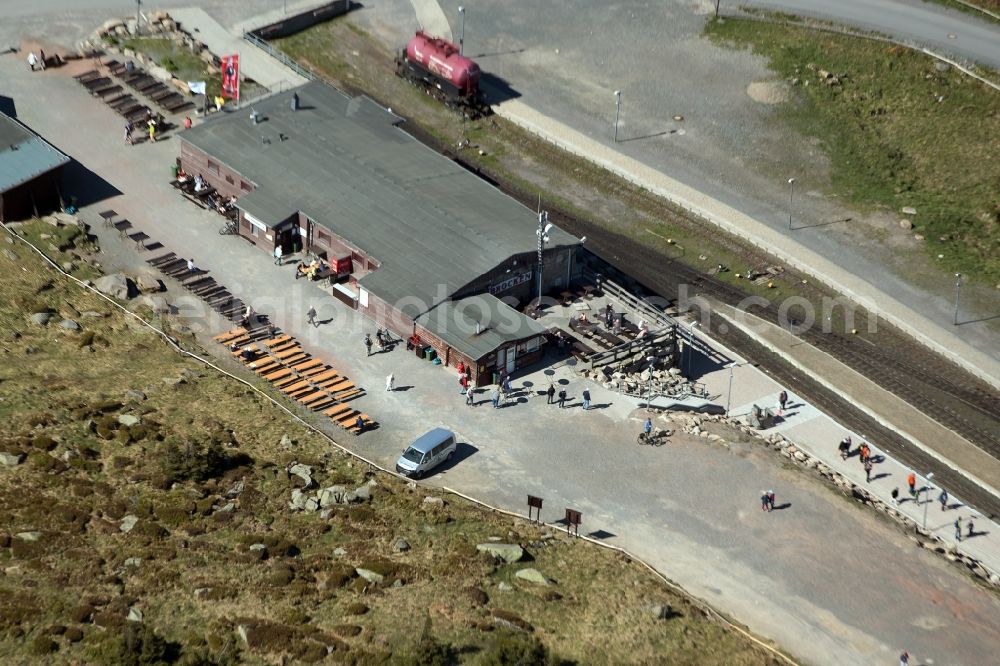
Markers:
point(195, 579)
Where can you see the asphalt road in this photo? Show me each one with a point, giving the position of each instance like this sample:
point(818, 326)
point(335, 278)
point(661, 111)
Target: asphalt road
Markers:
point(944, 31)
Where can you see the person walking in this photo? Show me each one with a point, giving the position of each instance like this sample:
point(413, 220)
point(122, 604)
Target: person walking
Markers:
point(764, 500)
point(783, 399)
point(277, 255)
point(845, 448)
point(911, 481)
point(586, 399)
point(562, 398)
point(32, 60)
point(647, 427)
point(495, 397)
point(311, 316)
point(943, 498)
point(865, 453)
point(390, 382)
point(868, 470)
point(958, 529)
point(550, 394)
point(506, 384)
point(152, 130)
point(187, 122)
point(368, 343)
point(128, 132)
point(904, 659)
point(469, 398)
point(463, 382)
point(895, 496)
point(971, 531)
point(770, 500)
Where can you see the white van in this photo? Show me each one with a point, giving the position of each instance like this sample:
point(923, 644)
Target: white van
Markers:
point(427, 452)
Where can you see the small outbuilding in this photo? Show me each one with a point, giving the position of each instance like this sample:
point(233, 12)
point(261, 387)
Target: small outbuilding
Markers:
point(29, 172)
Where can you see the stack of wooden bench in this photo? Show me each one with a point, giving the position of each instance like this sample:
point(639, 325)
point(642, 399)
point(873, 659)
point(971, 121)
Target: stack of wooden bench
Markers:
point(112, 94)
point(303, 378)
point(142, 82)
point(201, 285)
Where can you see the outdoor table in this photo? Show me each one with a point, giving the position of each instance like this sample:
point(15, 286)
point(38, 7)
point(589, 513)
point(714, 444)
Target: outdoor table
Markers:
point(107, 216)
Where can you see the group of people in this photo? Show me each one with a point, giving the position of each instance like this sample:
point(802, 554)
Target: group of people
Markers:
point(383, 338)
point(311, 270)
point(767, 500)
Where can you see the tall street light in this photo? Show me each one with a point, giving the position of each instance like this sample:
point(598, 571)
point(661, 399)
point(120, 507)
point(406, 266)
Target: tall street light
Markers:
point(791, 190)
point(544, 227)
point(729, 393)
point(461, 39)
point(618, 106)
point(958, 294)
point(690, 347)
point(927, 499)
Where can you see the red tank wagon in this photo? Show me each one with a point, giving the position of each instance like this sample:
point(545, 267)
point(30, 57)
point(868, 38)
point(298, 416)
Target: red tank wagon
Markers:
point(435, 64)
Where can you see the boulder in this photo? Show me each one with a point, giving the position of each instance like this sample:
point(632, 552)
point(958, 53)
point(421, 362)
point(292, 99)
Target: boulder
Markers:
point(42, 318)
point(28, 536)
point(311, 504)
point(909, 210)
point(285, 441)
point(116, 285)
point(369, 575)
point(304, 472)
point(69, 325)
point(128, 420)
point(508, 552)
point(158, 304)
point(905, 224)
point(339, 552)
point(134, 615)
point(148, 284)
point(128, 522)
point(330, 496)
point(433, 501)
point(298, 500)
point(92, 314)
point(363, 494)
point(401, 545)
point(660, 611)
point(11, 459)
point(532, 576)
point(134, 395)
point(132, 562)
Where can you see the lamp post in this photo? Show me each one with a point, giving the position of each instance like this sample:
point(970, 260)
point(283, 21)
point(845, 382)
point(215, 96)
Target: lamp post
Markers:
point(729, 392)
point(618, 106)
point(958, 294)
point(930, 476)
point(791, 190)
point(461, 38)
point(544, 227)
point(690, 347)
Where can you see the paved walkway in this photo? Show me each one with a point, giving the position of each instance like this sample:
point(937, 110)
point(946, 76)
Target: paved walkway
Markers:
point(854, 591)
point(254, 63)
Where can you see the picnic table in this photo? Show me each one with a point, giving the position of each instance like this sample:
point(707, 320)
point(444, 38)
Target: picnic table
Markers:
point(107, 216)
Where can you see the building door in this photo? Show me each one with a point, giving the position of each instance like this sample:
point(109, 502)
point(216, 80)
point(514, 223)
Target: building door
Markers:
point(510, 359)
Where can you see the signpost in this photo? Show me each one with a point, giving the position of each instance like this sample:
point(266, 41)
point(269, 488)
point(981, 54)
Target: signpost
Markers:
point(535, 504)
point(573, 519)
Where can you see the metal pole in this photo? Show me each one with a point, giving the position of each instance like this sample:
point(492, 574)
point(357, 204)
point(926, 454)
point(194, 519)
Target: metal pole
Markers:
point(461, 39)
point(791, 190)
point(542, 218)
point(729, 393)
point(958, 294)
point(927, 498)
point(717, 9)
point(618, 106)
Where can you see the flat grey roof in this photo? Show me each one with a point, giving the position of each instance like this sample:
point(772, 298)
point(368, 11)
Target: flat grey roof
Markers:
point(455, 323)
point(345, 164)
point(23, 154)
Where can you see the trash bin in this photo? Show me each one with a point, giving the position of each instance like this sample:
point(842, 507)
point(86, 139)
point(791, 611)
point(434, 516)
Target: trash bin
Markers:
point(429, 353)
point(175, 170)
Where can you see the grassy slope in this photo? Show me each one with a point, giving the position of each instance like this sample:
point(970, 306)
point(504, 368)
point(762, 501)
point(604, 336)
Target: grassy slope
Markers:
point(69, 591)
point(898, 132)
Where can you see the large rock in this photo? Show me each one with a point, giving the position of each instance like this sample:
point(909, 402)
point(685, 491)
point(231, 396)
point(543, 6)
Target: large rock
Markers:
point(401, 545)
point(508, 552)
point(128, 522)
point(148, 284)
point(533, 576)
point(158, 304)
point(332, 495)
point(304, 472)
point(69, 325)
point(28, 536)
point(370, 576)
point(116, 285)
point(299, 499)
point(42, 318)
point(11, 459)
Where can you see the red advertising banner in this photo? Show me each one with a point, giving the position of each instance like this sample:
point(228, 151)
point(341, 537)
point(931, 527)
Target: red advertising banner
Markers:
point(231, 77)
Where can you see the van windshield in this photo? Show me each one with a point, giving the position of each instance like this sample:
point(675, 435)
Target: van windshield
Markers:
point(413, 455)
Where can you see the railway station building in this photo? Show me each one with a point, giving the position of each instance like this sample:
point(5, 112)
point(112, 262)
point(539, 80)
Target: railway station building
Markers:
point(435, 254)
point(30, 170)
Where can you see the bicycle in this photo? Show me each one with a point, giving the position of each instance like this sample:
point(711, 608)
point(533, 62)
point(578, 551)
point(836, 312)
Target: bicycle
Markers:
point(657, 437)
